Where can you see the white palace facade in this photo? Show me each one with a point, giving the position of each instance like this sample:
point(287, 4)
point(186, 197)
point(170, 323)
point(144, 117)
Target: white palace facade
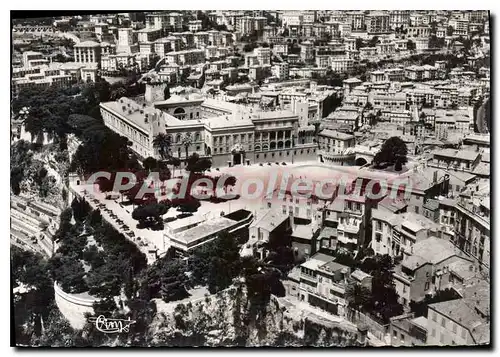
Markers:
point(228, 133)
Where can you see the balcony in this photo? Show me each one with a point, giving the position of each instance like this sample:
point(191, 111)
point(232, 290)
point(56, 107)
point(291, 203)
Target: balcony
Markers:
point(309, 278)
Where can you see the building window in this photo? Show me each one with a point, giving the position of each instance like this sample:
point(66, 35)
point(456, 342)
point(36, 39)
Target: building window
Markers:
point(257, 156)
point(463, 333)
point(454, 328)
point(434, 316)
point(395, 333)
point(416, 210)
point(433, 332)
point(426, 286)
point(443, 322)
point(402, 337)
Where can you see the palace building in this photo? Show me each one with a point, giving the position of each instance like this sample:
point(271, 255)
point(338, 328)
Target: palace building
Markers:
point(228, 133)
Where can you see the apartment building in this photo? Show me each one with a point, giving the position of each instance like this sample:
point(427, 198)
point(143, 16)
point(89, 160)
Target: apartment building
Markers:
point(377, 23)
point(33, 59)
point(42, 77)
point(464, 321)
point(341, 65)
point(408, 331)
point(281, 71)
point(426, 269)
point(399, 18)
point(186, 58)
point(460, 26)
point(269, 225)
point(396, 101)
point(357, 20)
point(472, 223)
point(419, 31)
point(463, 160)
point(323, 283)
point(396, 233)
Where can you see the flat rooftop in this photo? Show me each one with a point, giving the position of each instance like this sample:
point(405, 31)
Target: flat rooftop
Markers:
point(205, 229)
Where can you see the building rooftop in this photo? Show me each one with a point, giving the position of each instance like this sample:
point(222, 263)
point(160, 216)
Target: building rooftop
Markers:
point(88, 44)
point(477, 294)
point(344, 115)
point(333, 266)
point(359, 275)
point(464, 270)
point(185, 222)
point(226, 121)
point(316, 260)
point(204, 229)
point(352, 80)
point(392, 204)
point(132, 111)
point(303, 232)
point(269, 219)
point(414, 261)
point(434, 250)
point(420, 321)
point(459, 311)
point(336, 134)
point(458, 154)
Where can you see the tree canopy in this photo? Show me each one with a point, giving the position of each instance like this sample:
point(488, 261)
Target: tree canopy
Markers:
point(197, 164)
point(384, 298)
point(393, 150)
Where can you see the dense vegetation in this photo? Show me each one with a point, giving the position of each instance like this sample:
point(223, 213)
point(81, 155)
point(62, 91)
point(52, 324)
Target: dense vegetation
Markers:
point(112, 261)
point(32, 307)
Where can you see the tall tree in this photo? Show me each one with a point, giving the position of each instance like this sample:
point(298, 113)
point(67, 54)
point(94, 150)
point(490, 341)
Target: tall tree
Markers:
point(357, 295)
point(163, 143)
point(186, 142)
point(393, 149)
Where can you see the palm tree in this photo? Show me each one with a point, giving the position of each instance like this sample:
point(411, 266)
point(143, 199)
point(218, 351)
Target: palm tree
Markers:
point(186, 142)
point(163, 143)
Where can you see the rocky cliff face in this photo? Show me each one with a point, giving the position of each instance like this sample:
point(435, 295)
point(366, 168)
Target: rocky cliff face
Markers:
point(229, 319)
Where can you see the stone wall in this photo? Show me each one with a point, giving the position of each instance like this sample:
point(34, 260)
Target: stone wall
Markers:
point(74, 306)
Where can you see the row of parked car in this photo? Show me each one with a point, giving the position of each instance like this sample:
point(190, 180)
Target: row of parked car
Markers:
point(120, 222)
point(270, 163)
